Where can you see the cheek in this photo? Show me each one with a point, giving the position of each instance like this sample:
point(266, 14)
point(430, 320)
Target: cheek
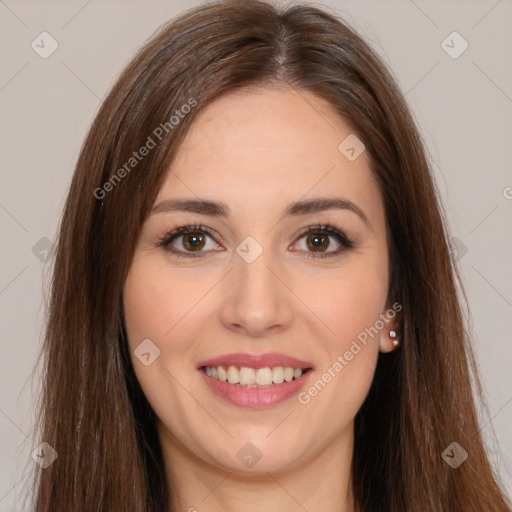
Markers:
point(163, 307)
point(158, 303)
point(352, 300)
point(352, 309)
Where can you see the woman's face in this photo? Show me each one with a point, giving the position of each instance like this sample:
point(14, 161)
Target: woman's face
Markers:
point(248, 288)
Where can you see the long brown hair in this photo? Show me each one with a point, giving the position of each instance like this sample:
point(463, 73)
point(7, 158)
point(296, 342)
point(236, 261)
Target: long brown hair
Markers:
point(93, 411)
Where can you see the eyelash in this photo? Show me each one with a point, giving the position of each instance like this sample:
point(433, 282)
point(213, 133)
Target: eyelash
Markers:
point(341, 238)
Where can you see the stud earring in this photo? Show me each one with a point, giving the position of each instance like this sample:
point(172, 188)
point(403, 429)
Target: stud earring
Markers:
point(392, 334)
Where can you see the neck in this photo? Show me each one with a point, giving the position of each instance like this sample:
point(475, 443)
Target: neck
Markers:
point(320, 483)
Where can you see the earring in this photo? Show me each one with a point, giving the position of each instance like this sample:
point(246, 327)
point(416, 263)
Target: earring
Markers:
point(392, 334)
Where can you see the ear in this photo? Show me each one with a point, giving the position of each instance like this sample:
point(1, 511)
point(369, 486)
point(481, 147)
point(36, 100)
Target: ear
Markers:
point(386, 340)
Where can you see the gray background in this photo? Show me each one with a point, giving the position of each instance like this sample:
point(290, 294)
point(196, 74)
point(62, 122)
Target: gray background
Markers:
point(463, 106)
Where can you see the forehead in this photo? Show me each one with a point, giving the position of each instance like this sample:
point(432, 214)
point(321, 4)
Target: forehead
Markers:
point(265, 148)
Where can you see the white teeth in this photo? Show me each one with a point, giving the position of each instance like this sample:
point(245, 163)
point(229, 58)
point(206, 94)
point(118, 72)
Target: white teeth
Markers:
point(251, 377)
point(278, 375)
point(233, 375)
point(223, 374)
point(288, 374)
point(247, 376)
point(264, 376)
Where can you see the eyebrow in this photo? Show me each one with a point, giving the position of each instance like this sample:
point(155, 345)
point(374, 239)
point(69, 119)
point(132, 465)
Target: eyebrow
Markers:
point(219, 209)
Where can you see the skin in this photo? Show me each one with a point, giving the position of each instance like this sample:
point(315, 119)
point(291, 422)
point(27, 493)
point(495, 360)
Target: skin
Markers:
point(258, 151)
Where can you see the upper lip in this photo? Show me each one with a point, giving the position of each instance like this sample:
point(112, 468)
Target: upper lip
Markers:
point(270, 359)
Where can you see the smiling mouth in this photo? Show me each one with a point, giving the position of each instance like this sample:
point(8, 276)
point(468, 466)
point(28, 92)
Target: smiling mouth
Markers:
point(246, 377)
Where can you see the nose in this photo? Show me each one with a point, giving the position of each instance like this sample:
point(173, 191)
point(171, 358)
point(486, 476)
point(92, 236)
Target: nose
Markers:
point(256, 298)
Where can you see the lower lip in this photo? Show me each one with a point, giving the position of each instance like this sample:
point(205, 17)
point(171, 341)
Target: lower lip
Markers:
point(256, 397)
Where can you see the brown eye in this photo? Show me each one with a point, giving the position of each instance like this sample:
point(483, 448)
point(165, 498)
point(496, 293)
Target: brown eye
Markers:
point(193, 241)
point(317, 242)
point(189, 241)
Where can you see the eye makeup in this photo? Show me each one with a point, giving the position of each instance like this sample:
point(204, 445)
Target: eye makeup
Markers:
point(199, 233)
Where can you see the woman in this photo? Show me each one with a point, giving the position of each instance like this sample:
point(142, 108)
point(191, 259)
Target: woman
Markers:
point(253, 300)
